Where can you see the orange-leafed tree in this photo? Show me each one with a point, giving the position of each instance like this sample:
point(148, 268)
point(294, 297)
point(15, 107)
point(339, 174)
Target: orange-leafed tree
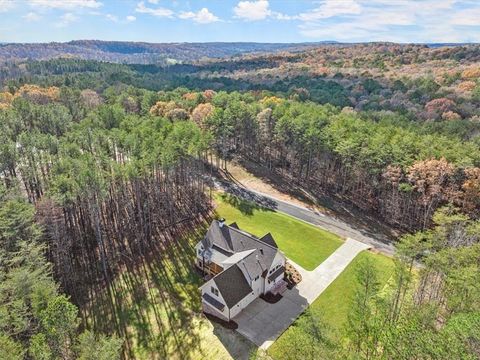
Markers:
point(433, 181)
point(471, 189)
point(201, 113)
point(39, 95)
point(161, 108)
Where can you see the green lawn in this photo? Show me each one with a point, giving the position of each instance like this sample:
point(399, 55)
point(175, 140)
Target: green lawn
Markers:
point(305, 244)
point(333, 304)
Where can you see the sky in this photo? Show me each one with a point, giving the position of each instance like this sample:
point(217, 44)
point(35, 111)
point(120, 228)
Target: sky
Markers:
point(405, 21)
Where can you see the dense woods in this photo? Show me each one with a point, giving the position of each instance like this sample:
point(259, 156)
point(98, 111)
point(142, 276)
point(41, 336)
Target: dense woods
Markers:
point(37, 321)
point(103, 164)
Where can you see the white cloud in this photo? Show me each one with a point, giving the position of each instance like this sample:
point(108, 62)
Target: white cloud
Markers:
point(66, 4)
point(280, 16)
point(116, 19)
point(331, 8)
point(6, 5)
point(111, 17)
point(252, 10)
point(391, 20)
point(160, 11)
point(153, 1)
point(31, 17)
point(66, 19)
point(203, 16)
point(467, 17)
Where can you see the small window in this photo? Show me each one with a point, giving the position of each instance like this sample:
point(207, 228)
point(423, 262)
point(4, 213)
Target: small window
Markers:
point(261, 251)
point(199, 251)
point(214, 291)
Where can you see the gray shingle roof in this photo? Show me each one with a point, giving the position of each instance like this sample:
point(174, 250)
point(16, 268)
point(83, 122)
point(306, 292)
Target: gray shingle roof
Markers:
point(232, 285)
point(268, 238)
point(234, 225)
point(232, 239)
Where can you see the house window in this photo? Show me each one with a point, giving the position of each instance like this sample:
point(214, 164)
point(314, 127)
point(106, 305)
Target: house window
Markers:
point(199, 251)
point(261, 251)
point(256, 278)
point(214, 291)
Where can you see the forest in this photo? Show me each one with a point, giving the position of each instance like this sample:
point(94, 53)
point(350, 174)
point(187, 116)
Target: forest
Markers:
point(105, 164)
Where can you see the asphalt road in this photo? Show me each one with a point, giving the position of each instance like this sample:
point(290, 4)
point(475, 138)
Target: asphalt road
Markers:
point(325, 221)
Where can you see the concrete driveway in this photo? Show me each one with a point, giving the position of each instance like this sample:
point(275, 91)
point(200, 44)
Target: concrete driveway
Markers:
point(262, 323)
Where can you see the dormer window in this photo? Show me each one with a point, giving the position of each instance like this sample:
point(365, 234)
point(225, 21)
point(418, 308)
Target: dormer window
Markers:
point(214, 291)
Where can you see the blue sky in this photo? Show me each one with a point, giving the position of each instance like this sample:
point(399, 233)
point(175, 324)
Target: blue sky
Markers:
point(233, 20)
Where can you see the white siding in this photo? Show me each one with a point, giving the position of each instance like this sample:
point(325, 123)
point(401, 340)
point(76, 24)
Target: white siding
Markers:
point(278, 260)
point(206, 288)
point(257, 286)
point(197, 248)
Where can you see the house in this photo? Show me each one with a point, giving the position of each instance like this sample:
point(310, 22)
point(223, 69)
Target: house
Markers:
point(242, 267)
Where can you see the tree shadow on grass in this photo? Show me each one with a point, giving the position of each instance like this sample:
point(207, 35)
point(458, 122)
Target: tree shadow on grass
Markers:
point(153, 304)
point(237, 346)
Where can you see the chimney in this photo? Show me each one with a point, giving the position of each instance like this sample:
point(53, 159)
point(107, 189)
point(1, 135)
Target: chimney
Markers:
point(221, 222)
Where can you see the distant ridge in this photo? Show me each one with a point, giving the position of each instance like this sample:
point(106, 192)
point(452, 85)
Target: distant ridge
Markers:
point(161, 53)
point(141, 52)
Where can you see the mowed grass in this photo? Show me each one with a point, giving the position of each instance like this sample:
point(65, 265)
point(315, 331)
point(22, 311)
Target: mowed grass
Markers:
point(305, 244)
point(333, 305)
point(156, 309)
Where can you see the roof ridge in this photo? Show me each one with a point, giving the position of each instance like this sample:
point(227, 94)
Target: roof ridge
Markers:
point(250, 252)
point(253, 236)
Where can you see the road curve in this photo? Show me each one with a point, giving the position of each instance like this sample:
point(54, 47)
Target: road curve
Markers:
point(325, 221)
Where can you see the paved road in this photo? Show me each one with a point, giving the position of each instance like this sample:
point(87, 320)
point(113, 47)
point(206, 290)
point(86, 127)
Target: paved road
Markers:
point(324, 221)
point(263, 323)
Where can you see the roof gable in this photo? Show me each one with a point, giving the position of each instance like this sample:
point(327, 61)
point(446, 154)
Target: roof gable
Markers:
point(268, 239)
point(234, 225)
point(233, 286)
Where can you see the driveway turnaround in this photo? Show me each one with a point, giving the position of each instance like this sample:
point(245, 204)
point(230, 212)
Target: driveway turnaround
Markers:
point(262, 323)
